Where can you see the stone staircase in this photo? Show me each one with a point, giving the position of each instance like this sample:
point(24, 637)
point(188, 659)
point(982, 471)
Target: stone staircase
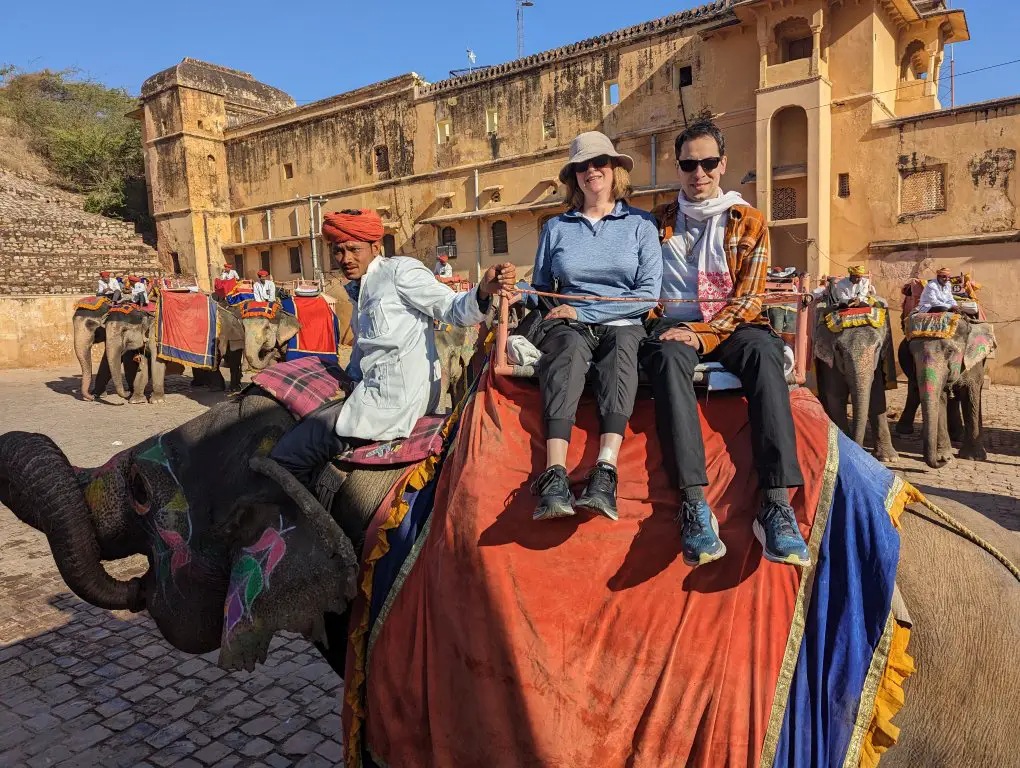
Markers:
point(50, 245)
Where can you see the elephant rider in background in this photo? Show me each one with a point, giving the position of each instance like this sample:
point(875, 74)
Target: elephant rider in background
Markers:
point(854, 290)
point(264, 288)
point(394, 364)
point(229, 273)
point(443, 269)
point(937, 295)
point(109, 287)
point(716, 246)
point(139, 291)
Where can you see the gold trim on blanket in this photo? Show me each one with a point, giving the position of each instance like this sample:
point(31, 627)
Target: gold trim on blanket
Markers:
point(793, 642)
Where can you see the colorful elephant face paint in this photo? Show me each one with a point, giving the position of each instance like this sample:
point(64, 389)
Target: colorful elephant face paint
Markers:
point(250, 576)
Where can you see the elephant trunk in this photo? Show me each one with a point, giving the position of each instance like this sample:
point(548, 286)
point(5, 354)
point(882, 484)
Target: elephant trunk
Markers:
point(39, 485)
point(860, 390)
point(114, 353)
point(258, 353)
point(931, 382)
point(83, 351)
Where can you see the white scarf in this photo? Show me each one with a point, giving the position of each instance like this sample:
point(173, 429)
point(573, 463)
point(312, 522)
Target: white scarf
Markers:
point(714, 279)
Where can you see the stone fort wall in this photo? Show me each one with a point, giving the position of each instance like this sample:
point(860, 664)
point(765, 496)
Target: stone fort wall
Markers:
point(50, 245)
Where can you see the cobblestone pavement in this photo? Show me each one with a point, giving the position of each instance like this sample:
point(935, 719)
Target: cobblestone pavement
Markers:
point(80, 685)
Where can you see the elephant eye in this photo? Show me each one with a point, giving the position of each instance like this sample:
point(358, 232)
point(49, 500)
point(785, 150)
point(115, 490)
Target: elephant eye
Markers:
point(139, 492)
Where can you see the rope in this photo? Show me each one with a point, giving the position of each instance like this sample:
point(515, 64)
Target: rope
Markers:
point(972, 537)
point(720, 300)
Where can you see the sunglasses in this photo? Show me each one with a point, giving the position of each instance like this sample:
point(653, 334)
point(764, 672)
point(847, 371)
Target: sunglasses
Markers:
point(598, 162)
point(708, 163)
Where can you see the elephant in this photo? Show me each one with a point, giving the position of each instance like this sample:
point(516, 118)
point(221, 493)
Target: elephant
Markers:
point(87, 327)
point(218, 532)
point(265, 340)
point(850, 363)
point(947, 376)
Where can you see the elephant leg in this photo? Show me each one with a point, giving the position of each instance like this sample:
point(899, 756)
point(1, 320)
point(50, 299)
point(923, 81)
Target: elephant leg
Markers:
point(884, 450)
point(955, 416)
point(835, 392)
point(131, 367)
point(970, 401)
point(905, 425)
point(103, 378)
point(158, 375)
point(140, 380)
point(233, 359)
point(944, 448)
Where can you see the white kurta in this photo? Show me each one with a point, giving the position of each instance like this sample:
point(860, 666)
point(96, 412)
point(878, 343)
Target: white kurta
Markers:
point(264, 291)
point(394, 357)
point(229, 275)
point(935, 295)
point(846, 291)
point(443, 270)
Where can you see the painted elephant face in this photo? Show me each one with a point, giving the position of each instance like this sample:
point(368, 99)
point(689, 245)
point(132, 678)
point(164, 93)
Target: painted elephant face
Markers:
point(265, 339)
point(230, 560)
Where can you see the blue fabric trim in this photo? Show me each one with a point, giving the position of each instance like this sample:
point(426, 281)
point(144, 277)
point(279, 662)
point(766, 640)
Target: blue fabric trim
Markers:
point(850, 603)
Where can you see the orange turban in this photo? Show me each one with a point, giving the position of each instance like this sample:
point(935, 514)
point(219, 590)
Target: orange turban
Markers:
point(943, 271)
point(364, 225)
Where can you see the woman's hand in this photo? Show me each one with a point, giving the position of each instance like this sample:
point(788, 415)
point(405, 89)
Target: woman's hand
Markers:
point(683, 335)
point(501, 277)
point(562, 312)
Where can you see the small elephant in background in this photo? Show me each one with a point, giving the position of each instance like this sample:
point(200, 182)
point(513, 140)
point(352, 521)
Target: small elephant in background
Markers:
point(946, 376)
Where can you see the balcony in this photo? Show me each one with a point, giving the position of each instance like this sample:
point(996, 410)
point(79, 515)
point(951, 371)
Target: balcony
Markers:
point(787, 72)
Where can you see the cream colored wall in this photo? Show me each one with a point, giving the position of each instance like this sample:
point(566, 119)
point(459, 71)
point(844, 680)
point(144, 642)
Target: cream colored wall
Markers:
point(978, 152)
point(35, 331)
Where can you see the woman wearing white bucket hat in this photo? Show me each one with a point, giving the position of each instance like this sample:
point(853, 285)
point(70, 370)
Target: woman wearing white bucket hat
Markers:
point(600, 247)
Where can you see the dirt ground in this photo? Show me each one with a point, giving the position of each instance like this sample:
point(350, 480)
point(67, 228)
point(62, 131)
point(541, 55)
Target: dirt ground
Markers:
point(85, 686)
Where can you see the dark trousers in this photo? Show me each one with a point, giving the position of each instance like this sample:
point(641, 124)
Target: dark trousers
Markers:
point(568, 347)
point(755, 356)
point(305, 449)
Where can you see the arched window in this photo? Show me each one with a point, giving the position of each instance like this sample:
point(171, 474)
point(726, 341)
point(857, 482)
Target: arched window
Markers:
point(794, 40)
point(500, 244)
point(448, 236)
point(389, 245)
point(914, 64)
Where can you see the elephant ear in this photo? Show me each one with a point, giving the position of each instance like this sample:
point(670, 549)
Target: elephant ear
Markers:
point(289, 327)
point(980, 344)
point(823, 344)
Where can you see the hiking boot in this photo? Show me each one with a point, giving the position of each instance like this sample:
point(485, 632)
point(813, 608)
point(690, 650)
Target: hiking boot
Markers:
point(554, 488)
point(699, 534)
point(776, 528)
point(600, 494)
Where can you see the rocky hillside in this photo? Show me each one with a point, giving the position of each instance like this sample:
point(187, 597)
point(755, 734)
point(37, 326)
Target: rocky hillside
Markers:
point(50, 245)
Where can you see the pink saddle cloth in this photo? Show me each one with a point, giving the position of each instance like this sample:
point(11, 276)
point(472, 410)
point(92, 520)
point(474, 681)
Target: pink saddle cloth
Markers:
point(302, 385)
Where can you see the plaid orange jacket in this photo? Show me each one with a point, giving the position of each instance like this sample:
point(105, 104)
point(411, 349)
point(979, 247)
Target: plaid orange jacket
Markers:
point(747, 254)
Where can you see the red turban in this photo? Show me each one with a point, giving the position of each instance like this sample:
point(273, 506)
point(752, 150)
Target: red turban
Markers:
point(263, 273)
point(364, 225)
point(104, 274)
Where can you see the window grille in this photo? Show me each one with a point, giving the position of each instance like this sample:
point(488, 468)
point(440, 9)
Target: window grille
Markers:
point(923, 191)
point(844, 185)
point(784, 203)
point(500, 244)
point(382, 160)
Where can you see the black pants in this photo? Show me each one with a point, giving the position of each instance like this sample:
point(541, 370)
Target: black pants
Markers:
point(568, 347)
point(306, 448)
point(755, 356)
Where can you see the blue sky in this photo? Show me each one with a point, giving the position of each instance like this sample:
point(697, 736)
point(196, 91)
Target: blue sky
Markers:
point(315, 50)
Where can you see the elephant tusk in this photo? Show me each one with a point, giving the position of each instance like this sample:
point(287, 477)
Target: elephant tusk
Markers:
point(322, 521)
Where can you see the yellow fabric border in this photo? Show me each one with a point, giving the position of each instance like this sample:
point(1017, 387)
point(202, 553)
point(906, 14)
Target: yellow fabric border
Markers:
point(100, 301)
point(793, 642)
point(875, 318)
point(933, 334)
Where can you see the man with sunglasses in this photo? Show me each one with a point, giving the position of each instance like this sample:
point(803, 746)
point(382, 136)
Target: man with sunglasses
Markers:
point(715, 250)
point(394, 363)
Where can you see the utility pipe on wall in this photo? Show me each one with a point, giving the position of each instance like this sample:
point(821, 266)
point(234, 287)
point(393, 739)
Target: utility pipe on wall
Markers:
point(478, 227)
point(654, 157)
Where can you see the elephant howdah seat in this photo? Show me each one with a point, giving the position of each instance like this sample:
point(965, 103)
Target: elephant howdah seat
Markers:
point(855, 317)
point(303, 384)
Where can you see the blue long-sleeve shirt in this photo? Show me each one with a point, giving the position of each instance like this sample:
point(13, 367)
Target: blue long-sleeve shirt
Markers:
point(619, 255)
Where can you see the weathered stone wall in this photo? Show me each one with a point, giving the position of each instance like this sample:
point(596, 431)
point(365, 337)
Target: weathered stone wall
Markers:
point(49, 245)
point(35, 331)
